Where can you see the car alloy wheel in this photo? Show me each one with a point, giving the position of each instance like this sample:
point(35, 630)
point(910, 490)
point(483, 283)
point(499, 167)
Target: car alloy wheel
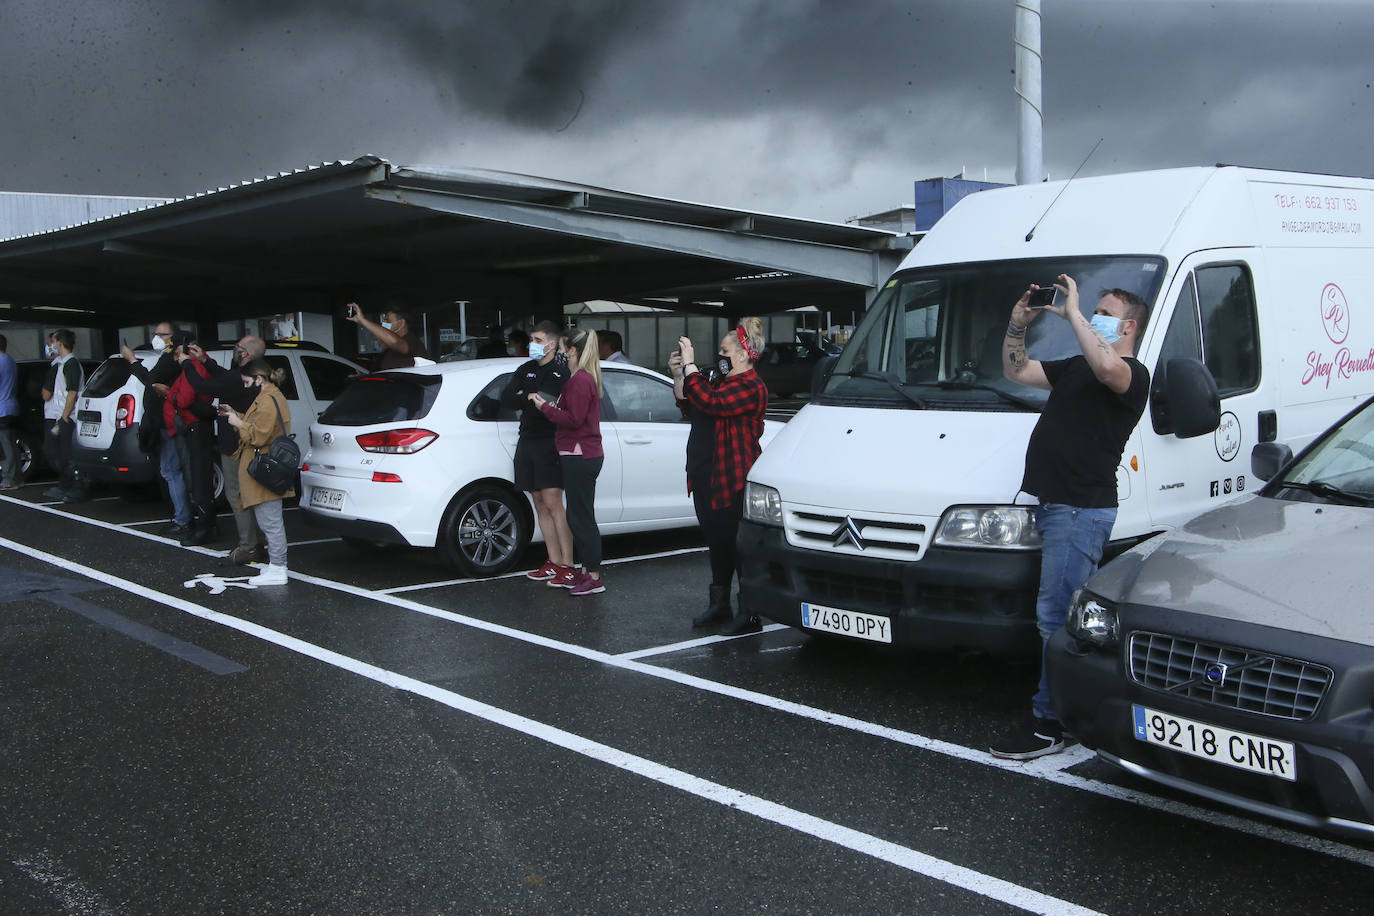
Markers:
point(485, 531)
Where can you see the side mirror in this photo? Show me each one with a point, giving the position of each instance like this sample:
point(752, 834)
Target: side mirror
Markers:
point(1184, 400)
point(1267, 459)
point(820, 375)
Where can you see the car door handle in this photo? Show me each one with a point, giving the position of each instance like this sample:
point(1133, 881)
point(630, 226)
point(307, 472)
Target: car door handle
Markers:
point(637, 440)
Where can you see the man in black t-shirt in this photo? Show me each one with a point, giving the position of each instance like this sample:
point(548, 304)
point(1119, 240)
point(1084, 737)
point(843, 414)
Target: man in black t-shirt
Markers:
point(400, 345)
point(537, 468)
point(1095, 402)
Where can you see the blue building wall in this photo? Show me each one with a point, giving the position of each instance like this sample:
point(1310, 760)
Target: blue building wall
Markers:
point(934, 197)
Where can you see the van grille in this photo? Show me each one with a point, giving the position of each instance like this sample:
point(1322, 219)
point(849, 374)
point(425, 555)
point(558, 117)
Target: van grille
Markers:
point(880, 538)
point(1253, 682)
point(851, 591)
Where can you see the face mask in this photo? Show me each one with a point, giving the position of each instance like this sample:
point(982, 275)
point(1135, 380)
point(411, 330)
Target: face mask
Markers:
point(561, 358)
point(387, 325)
point(49, 350)
point(158, 343)
point(1108, 327)
point(536, 350)
point(718, 369)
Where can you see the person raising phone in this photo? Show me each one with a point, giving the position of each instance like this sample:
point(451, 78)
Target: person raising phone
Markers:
point(1095, 401)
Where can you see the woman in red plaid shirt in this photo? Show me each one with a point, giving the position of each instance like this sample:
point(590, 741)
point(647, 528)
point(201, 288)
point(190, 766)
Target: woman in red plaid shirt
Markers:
point(736, 401)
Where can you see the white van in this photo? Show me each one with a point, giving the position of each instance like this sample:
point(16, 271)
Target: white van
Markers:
point(889, 508)
point(110, 406)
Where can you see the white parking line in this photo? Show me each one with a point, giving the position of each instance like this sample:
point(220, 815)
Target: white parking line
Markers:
point(1044, 771)
point(976, 882)
point(64, 887)
point(444, 583)
point(690, 644)
point(316, 541)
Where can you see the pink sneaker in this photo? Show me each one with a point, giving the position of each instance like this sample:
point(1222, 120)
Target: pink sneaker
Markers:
point(588, 585)
point(566, 577)
point(545, 572)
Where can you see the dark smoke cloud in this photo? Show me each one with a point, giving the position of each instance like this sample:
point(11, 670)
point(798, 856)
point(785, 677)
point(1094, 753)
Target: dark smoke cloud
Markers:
point(824, 108)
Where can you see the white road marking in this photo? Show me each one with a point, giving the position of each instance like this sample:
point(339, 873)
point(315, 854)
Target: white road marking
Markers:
point(64, 887)
point(691, 644)
point(1042, 769)
point(316, 541)
point(443, 583)
point(866, 844)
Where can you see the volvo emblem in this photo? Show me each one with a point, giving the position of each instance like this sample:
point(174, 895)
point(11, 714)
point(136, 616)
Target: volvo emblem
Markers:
point(1215, 674)
point(328, 438)
point(849, 531)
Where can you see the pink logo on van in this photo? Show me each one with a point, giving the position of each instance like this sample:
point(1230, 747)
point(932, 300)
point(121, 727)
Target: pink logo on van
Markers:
point(1335, 313)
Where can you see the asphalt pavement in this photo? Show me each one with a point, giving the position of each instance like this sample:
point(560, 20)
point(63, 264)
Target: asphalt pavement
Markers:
point(381, 736)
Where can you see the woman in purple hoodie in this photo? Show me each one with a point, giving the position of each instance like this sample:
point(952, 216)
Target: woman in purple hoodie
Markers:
point(577, 416)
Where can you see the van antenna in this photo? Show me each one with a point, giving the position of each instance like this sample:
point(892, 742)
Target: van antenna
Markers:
point(1031, 234)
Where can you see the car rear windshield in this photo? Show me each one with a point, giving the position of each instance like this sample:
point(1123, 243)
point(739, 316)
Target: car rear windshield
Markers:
point(108, 379)
point(383, 398)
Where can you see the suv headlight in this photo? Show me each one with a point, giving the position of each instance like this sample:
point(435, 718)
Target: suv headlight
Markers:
point(1092, 621)
point(762, 504)
point(1009, 527)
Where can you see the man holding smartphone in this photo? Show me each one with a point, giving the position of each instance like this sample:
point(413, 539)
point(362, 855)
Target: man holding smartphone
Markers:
point(1095, 401)
point(400, 346)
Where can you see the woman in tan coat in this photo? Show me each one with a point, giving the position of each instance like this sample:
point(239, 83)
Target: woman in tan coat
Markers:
point(267, 418)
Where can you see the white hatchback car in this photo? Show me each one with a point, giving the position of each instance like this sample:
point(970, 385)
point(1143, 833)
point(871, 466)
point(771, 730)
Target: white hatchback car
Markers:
point(425, 457)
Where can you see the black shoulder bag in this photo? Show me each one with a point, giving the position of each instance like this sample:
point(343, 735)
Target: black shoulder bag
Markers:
point(276, 468)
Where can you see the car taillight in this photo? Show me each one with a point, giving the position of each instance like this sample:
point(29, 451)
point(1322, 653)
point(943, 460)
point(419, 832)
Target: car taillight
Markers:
point(384, 477)
point(397, 441)
point(306, 466)
point(124, 412)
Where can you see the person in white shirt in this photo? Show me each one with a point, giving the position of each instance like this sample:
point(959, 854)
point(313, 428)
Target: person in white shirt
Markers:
point(609, 345)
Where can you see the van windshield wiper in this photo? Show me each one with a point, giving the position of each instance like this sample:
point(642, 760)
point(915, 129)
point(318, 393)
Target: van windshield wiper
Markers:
point(1328, 491)
point(888, 380)
point(956, 385)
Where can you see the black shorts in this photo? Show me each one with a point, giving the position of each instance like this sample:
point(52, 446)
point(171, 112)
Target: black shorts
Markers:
point(537, 466)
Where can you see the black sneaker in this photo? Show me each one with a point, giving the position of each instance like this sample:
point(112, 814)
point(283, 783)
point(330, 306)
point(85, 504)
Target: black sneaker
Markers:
point(1036, 738)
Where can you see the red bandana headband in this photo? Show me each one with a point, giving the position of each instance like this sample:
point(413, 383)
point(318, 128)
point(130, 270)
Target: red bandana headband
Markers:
point(744, 342)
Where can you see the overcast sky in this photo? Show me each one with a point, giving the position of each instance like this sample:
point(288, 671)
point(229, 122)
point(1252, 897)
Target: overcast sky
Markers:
point(818, 108)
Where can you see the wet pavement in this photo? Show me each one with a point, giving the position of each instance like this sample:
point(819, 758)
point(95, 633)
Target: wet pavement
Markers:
point(380, 736)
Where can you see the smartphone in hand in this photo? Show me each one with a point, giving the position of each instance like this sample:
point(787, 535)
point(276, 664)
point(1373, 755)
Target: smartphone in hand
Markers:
point(1039, 298)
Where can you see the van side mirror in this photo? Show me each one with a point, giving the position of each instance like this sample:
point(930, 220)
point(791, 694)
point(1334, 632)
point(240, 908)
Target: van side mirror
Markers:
point(1184, 400)
point(820, 375)
point(1267, 459)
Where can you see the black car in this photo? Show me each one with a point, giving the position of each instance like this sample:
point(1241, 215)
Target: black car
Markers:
point(1234, 658)
point(790, 368)
point(28, 433)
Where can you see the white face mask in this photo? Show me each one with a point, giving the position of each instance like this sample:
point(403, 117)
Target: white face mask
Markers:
point(158, 343)
point(536, 350)
point(49, 350)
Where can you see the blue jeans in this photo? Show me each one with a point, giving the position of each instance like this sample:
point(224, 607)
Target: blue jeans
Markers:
point(1073, 542)
point(169, 465)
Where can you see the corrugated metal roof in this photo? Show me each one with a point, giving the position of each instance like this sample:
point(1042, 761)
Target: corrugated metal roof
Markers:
point(25, 213)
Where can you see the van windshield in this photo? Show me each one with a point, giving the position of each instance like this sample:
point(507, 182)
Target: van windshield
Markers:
point(933, 336)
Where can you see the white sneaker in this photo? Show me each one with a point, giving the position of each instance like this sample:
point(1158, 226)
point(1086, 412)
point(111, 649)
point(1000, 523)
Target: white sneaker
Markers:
point(270, 575)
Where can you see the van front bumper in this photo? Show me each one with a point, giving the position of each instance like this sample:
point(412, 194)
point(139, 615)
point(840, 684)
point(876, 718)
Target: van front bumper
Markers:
point(979, 599)
point(122, 462)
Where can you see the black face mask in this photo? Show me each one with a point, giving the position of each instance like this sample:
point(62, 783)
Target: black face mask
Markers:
point(719, 370)
point(561, 358)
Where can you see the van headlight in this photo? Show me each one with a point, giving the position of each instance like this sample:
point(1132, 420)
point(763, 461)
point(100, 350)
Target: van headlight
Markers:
point(1008, 527)
point(762, 504)
point(1092, 621)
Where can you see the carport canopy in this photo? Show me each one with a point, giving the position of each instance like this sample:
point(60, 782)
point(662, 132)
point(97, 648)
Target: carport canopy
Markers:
point(366, 230)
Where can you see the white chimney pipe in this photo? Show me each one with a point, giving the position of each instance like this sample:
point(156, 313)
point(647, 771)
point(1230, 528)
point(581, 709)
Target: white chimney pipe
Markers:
point(1030, 155)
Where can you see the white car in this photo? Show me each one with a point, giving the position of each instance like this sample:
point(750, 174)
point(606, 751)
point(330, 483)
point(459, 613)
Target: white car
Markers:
point(425, 457)
point(110, 406)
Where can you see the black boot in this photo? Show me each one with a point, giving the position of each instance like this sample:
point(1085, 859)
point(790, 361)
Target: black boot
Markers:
point(719, 609)
point(203, 530)
point(742, 623)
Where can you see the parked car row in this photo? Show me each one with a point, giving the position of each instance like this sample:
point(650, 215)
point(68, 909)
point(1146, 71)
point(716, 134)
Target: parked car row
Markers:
point(424, 457)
